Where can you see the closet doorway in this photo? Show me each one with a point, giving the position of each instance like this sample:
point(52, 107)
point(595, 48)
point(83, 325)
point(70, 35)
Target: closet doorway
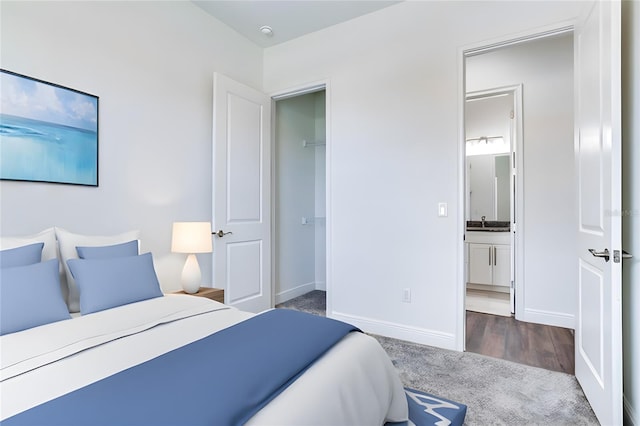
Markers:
point(299, 194)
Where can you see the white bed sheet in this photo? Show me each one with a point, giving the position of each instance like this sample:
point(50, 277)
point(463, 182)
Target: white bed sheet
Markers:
point(353, 383)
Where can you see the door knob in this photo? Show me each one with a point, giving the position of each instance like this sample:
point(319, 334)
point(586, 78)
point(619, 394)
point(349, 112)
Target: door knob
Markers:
point(604, 254)
point(221, 233)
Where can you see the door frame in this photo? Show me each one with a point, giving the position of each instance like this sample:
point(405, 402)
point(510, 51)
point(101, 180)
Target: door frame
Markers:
point(279, 95)
point(516, 163)
point(463, 53)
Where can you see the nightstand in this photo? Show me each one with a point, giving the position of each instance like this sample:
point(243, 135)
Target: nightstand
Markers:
point(216, 294)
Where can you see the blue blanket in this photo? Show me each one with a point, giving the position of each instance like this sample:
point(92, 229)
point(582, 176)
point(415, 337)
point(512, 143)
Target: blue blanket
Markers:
point(223, 379)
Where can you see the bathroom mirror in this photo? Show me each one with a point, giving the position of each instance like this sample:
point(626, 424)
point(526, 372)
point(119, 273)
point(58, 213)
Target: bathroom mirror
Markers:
point(488, 187)
point(488, 155)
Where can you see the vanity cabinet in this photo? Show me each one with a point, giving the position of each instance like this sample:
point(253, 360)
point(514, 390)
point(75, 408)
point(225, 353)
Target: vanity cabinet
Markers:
point(489, 258)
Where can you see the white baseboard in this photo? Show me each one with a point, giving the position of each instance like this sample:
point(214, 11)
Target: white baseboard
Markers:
point(291, 293)
point(629, 413)
point(556, 319)
point(321, 285)
point(399, 331)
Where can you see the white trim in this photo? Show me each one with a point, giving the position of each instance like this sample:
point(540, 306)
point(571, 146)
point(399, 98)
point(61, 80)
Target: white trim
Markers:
point(516, 38)
point(321, 285)
point(461, 293)
point(328, 192)
point(283, 296)
point(556, 319)
point(274, 195)
point(299, 90)
point(629, 413)
point(418, 335)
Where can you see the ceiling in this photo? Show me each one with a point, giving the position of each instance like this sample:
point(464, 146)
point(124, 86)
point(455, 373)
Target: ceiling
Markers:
point(288, 18)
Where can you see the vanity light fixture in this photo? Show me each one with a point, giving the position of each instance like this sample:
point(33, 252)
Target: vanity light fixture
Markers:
point(486, 140)
point(487, 145)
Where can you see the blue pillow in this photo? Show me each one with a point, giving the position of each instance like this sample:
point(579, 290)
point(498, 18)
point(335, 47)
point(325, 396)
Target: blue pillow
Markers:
point(30, 296)
point(111, 282)
point(102, 252)
point(21, 256)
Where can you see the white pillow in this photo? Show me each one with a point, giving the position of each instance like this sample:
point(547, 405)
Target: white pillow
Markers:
point(49, 251)
point(48, 237)
point(68, 241)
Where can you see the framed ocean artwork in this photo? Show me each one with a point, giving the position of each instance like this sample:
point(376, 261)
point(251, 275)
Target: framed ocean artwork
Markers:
point(48, 133)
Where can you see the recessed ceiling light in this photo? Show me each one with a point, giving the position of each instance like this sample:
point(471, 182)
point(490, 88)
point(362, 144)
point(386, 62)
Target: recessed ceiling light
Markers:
point(266, 30)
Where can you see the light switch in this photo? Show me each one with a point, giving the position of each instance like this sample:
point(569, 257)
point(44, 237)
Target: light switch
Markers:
point(442, 209)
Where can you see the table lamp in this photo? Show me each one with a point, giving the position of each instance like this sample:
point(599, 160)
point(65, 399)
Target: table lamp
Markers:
point(191, 238)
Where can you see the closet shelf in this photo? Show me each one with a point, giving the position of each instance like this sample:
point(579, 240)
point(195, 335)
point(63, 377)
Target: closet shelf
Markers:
point(312, 220)
point(316, 143)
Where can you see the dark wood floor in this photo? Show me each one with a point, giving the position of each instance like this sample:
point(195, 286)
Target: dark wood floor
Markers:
point(531, 344)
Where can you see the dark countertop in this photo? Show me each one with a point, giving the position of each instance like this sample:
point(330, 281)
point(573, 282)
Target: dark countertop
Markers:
point(489, 225)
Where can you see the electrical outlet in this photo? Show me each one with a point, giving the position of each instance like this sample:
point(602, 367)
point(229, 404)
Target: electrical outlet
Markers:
point(406, 295)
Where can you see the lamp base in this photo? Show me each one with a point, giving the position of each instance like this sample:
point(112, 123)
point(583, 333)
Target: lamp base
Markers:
point(191, 275)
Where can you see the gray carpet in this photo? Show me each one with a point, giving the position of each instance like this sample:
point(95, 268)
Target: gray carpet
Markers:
point(497, 392)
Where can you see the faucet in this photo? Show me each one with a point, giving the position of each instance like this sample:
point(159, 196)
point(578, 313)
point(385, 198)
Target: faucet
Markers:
point(483, 218)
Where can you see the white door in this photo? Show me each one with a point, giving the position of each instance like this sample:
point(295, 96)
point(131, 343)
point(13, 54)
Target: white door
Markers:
point(480, 263)
point(502, 265)
point(242, 194)
point(598, 159)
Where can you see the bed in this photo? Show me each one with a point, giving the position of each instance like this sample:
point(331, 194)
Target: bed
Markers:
point(133, 355)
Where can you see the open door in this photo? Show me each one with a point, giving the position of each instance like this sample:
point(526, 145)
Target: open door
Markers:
point(598, 159)
point(242, 194)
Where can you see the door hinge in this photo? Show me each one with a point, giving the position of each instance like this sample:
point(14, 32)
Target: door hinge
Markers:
point(512, 114)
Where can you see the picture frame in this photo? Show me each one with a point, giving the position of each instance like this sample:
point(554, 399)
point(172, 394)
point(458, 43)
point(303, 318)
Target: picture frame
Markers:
point(48, 133)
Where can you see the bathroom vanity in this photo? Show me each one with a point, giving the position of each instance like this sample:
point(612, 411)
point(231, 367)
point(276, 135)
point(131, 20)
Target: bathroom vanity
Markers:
point(489, 258)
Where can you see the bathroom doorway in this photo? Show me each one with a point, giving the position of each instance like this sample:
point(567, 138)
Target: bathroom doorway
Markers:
point(544, 204)
point(541, 283)
point(493, 123)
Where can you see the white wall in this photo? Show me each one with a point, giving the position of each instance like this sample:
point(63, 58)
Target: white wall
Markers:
point(631, 207)
point(393, 154)
point(488, 116)
point(545, 70)
point(295, 197)
point(151, 64)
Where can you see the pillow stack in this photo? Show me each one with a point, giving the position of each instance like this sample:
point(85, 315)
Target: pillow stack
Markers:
point(94, 273)
point(111, 276)
point(30, 292)
point(68, 241)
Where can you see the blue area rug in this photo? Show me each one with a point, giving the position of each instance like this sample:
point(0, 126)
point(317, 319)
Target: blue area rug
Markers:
point(426, 409)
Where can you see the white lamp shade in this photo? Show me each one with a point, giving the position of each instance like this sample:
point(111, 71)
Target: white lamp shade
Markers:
point(191, 237)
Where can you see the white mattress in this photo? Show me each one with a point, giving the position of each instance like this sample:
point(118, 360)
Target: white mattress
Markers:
point(353, 383)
